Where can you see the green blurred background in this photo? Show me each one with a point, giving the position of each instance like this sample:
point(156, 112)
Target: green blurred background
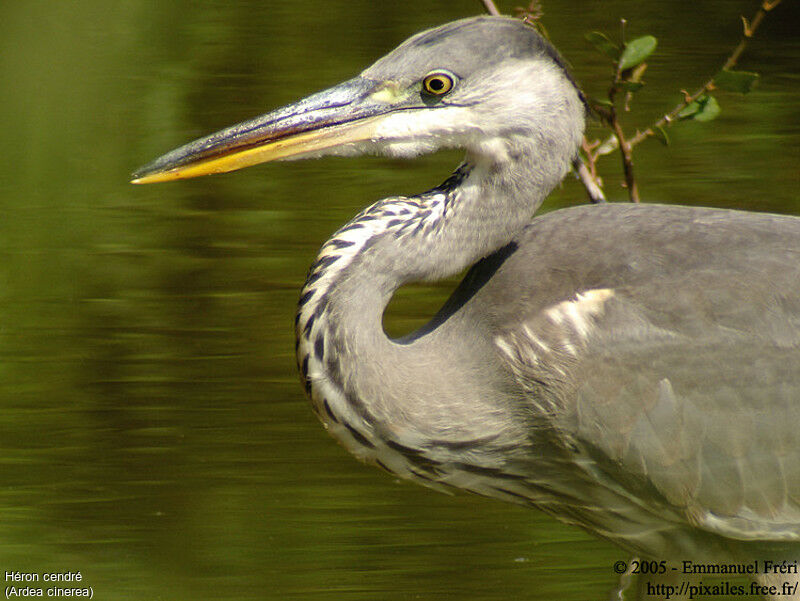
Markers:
point(153, 434)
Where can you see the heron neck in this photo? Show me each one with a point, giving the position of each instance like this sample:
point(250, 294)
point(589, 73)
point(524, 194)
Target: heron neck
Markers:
point(354, 373)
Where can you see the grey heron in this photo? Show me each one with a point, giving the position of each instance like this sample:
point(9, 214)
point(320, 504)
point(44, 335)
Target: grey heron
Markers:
point(633, 370)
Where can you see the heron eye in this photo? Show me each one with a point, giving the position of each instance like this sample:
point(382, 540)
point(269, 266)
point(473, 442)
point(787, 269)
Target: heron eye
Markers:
point(438, 83)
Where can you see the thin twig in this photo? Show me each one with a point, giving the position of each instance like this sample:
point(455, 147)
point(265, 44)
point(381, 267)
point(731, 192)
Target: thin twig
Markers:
point(670, 117)
point(624, 145)
point(491, 7)
point(627, 160)
point(588, 180)
point(591, 156)
point(531, 13)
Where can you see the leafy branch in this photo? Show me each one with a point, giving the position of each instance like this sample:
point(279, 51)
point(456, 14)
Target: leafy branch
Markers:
point(629, 59)
point(694, 105)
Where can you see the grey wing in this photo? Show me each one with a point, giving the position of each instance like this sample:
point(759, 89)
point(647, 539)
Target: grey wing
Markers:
point(713, 424)
point(682, 383)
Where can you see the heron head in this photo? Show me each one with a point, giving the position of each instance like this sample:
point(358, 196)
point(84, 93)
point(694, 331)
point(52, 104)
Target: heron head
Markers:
point(486, 84)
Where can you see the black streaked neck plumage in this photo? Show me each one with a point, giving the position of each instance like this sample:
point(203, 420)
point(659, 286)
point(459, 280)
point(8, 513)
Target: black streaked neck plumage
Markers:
point(343, 352)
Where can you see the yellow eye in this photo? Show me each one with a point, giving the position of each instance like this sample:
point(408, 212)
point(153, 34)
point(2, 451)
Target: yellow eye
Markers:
point(438, 83)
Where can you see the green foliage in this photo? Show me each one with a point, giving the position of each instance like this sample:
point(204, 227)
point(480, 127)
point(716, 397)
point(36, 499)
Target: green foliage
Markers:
point(735, 81)
point(660, 134)
point(705, 108)
point(636, 52)
point(630, 63)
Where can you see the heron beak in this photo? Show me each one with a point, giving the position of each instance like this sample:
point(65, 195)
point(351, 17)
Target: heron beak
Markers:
point(343, 115)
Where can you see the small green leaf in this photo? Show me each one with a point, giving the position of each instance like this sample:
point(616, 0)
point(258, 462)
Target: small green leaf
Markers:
point(703, 109)
point(709, 111)
point(636, 51)
point(735, 81)
point(601, 102)
point(661, 135)
point(631, 86)
point(604, 45)
point(689, 110)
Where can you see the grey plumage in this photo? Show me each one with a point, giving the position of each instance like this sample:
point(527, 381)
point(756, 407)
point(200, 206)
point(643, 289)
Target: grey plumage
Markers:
point(634, 370)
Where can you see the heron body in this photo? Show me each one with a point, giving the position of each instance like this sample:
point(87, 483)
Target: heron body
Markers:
point(633, 370)
point(624, 382)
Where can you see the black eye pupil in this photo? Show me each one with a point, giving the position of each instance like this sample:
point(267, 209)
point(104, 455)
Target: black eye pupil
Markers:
point(437, 84)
